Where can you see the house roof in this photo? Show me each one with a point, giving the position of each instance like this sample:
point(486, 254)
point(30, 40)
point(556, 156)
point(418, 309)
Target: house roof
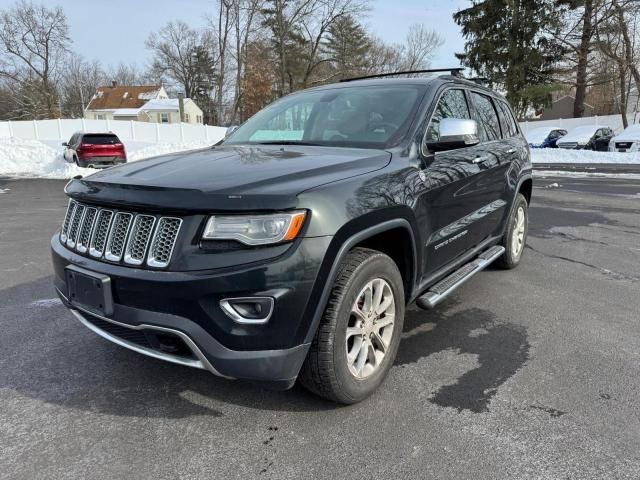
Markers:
point(573, 99)
point(163, 104)
point(124, 96)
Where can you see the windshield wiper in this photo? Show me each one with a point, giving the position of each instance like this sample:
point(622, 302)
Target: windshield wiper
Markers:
point(289, 142)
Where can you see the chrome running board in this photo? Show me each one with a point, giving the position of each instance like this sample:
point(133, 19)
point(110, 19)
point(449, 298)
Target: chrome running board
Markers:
point(443, 288)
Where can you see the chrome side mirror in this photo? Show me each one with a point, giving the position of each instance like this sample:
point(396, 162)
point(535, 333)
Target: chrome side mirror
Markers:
point(456, 133)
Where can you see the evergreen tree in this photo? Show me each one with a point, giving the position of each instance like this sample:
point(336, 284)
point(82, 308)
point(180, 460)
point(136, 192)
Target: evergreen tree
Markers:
point(347, 46)
point(505, 44)
point(282, 19)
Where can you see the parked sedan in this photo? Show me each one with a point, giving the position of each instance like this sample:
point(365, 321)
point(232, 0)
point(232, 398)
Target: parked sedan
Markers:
point(627, 141)
point(545, 137)
point(94, 150)
point(587, 137)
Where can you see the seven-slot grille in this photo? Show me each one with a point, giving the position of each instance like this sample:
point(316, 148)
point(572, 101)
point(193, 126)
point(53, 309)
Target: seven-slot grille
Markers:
point(116, 236)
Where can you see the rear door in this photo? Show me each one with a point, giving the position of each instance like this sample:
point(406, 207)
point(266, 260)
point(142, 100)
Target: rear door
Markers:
point(451, 191)
point(489, 184)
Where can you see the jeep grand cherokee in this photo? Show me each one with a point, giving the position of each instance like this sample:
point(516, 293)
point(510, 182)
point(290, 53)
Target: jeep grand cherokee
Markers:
point(291, 250)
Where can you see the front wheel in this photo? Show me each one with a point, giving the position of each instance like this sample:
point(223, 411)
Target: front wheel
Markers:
point(515, 237)
point(357, 340)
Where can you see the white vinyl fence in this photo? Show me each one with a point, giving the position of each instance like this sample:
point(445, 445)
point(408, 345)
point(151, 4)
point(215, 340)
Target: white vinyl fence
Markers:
point(126, 130)
point(612, 121)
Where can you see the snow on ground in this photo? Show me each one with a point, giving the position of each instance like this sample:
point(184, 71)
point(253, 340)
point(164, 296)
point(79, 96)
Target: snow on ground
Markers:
point(35, 159)
point(559, 155)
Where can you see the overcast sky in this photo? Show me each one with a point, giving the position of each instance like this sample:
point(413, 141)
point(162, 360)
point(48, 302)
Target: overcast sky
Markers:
point(115, 30)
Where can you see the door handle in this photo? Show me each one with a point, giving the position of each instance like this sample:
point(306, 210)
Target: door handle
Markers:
point(480, 159)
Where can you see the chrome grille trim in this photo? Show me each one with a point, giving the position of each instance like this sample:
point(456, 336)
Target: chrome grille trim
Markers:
point(118, 236)
point(141, 232)
point(164, 241)
point(130, 238)
point(64, 231)
point(74, 226)
point(84, 235)
point(100, 233)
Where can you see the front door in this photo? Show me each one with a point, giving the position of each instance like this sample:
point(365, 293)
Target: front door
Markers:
point(462, 198)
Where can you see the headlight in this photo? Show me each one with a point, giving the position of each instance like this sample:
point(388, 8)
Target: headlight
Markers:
point(255, 229)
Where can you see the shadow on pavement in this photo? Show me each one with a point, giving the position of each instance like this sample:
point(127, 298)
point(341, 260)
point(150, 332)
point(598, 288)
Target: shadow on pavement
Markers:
point(49, 356)
point(501, 350)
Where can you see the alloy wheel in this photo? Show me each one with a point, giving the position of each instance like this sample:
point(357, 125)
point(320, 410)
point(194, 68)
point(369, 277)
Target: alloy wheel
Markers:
point(370, 328)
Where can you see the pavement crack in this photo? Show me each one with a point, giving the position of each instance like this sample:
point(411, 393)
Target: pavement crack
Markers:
point(605, 271)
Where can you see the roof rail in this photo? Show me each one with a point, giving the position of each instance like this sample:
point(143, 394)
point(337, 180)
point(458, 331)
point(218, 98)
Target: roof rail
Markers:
point(456, 72)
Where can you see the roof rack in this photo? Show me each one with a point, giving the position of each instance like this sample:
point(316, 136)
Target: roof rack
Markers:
point(456, 72)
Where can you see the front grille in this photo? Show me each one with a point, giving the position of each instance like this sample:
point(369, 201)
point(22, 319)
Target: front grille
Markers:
point(570, 145)
point(117, 236)
point(626, 145)
point(163, 242)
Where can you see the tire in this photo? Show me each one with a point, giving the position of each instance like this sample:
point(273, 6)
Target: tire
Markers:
point(515, 248)
point(329, 369)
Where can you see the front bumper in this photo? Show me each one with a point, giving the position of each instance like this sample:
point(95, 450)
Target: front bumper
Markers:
point(149, 305)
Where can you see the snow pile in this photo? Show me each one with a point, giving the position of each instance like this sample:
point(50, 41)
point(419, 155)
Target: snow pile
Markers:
point(34, 159)
point(558, 155)
point(31, 158)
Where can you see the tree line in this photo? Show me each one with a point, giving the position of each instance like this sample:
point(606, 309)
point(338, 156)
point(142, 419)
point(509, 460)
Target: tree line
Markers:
point(534, 50)
point(249, 53)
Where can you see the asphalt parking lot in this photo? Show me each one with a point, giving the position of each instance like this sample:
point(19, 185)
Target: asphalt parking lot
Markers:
point(531, 373)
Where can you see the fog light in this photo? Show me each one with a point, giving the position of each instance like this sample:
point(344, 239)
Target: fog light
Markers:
point(248, 310)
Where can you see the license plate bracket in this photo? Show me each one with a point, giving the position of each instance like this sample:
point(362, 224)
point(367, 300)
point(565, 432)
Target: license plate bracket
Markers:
point(89, 290)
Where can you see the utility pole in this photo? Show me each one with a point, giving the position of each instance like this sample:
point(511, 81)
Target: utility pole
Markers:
point(81, 99)
point(181, 106)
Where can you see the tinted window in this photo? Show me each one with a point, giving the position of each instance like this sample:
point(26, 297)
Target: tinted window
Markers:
point(509, 126)
point(452, 104)
point(487, 118)
point(349, 116)
point(100, 139)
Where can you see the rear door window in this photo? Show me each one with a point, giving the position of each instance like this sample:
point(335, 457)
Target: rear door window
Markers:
point(486, 116)
point(452, 104)
point(509, 126)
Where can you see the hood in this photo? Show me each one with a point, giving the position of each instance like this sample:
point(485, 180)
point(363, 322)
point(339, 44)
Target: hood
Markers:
point(630, 134)
point(226, 177)
point(580, 134)
point(540, 134)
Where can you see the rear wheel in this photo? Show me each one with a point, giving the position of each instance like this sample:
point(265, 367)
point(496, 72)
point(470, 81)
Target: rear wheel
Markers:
point(357, 340)
point(515, 238)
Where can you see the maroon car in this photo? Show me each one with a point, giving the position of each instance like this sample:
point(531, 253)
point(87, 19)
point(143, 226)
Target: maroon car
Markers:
point(94, 150)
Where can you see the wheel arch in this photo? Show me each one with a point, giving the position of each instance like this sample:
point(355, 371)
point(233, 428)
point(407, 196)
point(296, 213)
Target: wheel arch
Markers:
point(399, 229)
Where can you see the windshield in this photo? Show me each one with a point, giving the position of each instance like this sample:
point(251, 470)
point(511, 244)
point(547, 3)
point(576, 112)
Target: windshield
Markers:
point(365, 117)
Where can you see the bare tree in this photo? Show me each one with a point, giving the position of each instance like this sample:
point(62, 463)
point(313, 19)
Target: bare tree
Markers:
point(223, 24)
point(246, 12)
point(81, 79)
point(419, 47)
point(34, 41)
point(126, 74)
point(175, 54)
